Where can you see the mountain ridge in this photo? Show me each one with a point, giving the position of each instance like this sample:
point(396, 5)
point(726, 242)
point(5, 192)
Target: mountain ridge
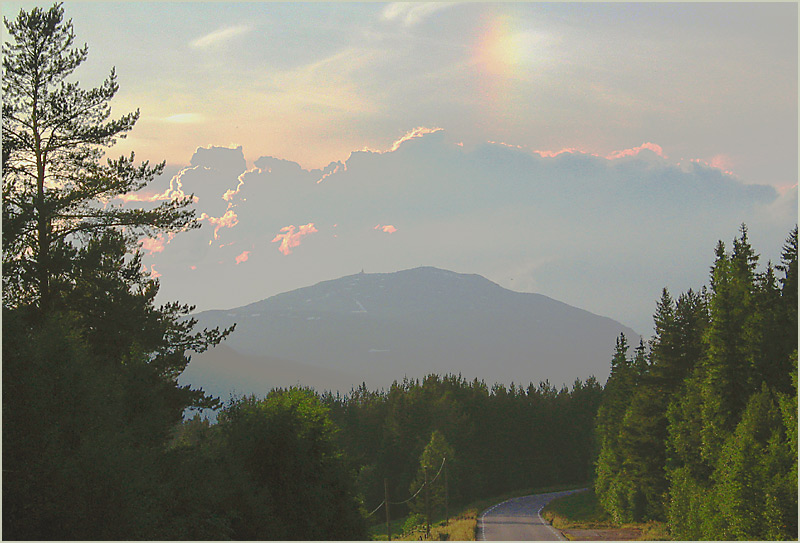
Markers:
point(382, 327)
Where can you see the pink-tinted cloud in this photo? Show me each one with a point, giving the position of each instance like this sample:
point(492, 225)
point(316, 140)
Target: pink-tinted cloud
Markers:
point(228, 220)
point(616, 154)
point(230, 193)
point(153, 245)
point(175, 190)
point(418, 132)
point(243, 257)
point(340, 166)
point(720, 162)
point(388, 228)
point(552, 154)
point(156, 244)
point(290, 239)
point(504, 144)
point(635, 151)
point(153, 272)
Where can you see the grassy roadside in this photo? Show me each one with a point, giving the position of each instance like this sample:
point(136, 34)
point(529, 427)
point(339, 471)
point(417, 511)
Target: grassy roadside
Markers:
point(463, 522)
point(580, 517)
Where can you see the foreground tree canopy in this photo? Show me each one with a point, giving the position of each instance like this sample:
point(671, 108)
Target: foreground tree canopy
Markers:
point(701, 431)
point(90, 363)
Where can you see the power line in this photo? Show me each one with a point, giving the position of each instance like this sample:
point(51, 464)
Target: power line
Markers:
point(420, 488)
point(386, 501)
point(376, 509)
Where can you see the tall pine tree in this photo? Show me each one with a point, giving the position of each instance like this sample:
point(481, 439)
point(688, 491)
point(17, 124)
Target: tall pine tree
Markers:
point(56, 190)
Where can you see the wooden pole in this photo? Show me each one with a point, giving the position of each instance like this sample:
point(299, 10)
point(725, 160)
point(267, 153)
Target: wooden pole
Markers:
point(386, 503)
point(446, 514)
point(427, 508)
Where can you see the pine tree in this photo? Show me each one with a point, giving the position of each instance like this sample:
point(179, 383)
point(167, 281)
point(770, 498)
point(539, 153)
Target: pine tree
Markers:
point(73, 275)
point(56, 191)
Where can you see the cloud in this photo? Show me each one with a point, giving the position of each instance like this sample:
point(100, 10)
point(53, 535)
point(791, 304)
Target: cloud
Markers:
point(412, 13)
point(225, 160)
point(219, 36)
point(720, 162)
point(228, 220)
point(551, 154)
point(152, 245)
point(157, 244)
point(242, 257)
point(632, 220)
point(418, 132)
point(289, 239)
point(153, 272)
point(333, 168)
point(175, 190)
point(636, 150)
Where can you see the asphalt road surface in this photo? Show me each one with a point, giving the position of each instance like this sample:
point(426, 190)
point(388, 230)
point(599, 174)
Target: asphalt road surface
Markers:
point(520, 519)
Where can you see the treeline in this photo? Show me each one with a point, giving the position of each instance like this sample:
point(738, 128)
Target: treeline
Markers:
point(699, 427)
point(94, 449)
point(501, 438)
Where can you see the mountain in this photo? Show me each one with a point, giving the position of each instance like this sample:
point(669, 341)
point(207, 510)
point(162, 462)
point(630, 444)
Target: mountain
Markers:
point(381, 327)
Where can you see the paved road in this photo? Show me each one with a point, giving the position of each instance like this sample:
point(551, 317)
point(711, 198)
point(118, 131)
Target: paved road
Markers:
point(519, 519)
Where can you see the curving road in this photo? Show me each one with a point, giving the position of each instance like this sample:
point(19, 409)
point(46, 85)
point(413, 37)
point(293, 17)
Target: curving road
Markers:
point(520, 519)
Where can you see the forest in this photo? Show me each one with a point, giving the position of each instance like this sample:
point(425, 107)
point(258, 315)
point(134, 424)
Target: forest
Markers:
point(95, 445)
point(698, 427)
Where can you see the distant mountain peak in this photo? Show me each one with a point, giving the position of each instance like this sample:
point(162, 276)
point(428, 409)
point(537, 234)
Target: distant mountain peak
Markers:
point(378, 327)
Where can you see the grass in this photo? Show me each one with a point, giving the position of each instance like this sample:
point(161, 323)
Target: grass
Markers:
point(461, 526)
point(579, 510)
point(582, 511)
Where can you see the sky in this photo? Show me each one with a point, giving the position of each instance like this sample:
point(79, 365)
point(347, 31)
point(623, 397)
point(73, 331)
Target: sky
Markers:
point(594, 153)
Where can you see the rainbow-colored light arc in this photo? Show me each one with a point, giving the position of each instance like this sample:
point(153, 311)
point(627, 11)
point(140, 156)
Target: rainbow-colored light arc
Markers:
point(499, 51)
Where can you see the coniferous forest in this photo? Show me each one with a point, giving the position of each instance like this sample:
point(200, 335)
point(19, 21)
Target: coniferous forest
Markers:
point(698, 427)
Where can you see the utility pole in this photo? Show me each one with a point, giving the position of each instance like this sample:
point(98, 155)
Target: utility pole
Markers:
point(446, 514)
point(427, 507)
point(386, 503)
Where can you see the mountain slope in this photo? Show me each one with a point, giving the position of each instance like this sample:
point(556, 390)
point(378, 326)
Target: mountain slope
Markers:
point(385, 326)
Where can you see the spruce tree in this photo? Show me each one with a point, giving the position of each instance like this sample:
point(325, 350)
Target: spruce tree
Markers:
point(611, 490)
point(729, 361)
point(788, 287)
